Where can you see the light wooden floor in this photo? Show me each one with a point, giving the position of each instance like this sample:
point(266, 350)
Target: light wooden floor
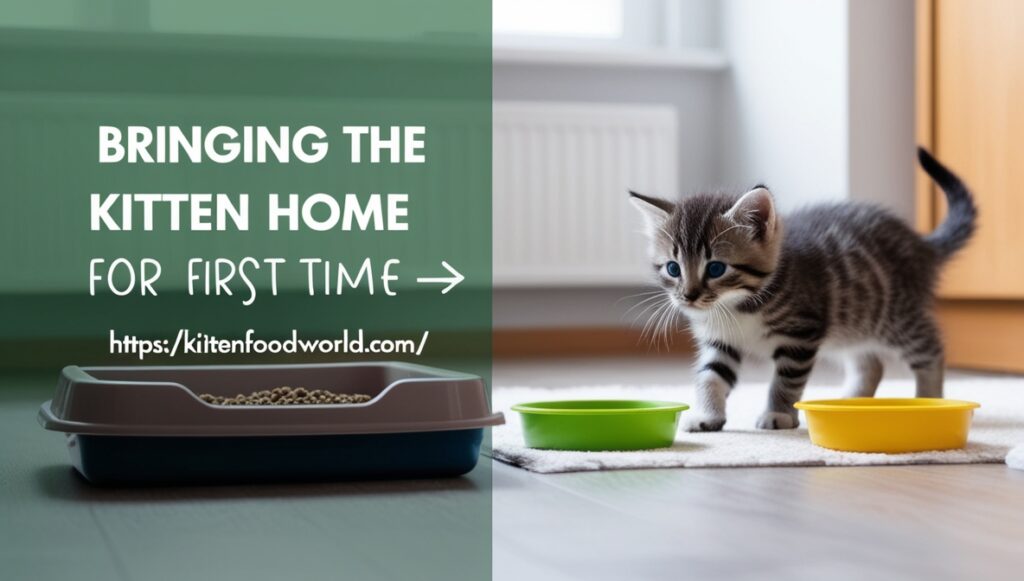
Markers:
point(914, 522)
point(906, 522)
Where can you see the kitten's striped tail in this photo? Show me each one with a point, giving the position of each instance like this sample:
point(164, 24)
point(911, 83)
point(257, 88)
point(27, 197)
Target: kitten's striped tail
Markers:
point(956, 229)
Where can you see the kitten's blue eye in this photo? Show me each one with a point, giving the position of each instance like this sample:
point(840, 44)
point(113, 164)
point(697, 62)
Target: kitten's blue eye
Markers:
point(716, 269)
point(672, 268)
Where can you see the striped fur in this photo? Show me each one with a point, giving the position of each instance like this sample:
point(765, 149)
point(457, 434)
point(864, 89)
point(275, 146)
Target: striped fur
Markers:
point(845, 276)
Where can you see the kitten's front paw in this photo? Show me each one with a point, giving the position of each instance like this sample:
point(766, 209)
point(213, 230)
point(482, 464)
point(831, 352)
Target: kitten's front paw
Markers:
point(777, 421)
point(704, 424)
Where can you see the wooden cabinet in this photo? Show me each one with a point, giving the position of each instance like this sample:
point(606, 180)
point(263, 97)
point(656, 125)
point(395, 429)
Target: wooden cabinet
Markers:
point(970, 99)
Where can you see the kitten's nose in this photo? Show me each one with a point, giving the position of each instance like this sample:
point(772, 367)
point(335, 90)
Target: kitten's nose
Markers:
point(691, 295)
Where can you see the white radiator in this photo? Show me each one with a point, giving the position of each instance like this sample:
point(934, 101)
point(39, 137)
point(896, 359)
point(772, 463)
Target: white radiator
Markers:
point(561, 175)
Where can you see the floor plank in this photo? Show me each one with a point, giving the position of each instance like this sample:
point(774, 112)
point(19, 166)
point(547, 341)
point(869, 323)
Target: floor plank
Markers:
point(892, 522)
point(550, 533)
point(57, 526)
point(817, 523)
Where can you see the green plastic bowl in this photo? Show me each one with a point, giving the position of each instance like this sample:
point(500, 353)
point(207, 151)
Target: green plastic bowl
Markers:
point(595, 425)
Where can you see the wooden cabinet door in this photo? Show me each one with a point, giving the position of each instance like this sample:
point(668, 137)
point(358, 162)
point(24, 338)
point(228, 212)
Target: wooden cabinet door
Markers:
point(970, 85)
point(977, 129)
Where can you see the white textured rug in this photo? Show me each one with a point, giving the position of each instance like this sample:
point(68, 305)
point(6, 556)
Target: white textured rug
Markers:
point(1015, 459)
point(998, 426)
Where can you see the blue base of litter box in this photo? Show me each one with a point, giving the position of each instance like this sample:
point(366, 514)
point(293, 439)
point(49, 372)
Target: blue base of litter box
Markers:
point(202, 460)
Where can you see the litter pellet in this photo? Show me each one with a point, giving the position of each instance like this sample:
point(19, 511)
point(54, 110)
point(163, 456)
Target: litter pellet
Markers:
point(287, 396)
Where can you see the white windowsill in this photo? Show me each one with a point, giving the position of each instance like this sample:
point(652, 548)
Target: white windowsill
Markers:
point(691, 59)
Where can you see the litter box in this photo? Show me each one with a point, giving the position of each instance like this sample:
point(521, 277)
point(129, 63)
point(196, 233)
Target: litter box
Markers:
point(147, 425)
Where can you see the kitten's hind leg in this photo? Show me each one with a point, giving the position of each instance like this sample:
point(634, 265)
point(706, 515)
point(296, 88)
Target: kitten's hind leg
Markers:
point(929, 377)
point(716, 376)
point(793, 365)
point(923, 352)
point(863, 374)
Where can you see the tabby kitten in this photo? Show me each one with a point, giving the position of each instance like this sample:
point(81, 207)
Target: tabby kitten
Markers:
point(845, 277)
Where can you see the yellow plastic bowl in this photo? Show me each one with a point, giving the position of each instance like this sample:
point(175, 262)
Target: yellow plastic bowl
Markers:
point(889, 425)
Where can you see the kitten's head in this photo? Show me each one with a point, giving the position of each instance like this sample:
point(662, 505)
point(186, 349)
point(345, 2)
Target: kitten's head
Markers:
point(712, 248)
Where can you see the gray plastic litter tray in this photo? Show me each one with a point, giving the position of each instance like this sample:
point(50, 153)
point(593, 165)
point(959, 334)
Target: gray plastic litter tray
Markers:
point(136, 425)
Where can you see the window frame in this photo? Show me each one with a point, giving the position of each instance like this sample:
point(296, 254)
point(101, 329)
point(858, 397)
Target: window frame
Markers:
point(643, 27)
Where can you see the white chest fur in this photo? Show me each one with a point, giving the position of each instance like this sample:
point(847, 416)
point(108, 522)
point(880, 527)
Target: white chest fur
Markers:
point(745, 331)
point(749, 334)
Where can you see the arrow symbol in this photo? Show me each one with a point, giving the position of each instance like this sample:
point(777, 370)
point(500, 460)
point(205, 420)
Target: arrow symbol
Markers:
point(453, 280)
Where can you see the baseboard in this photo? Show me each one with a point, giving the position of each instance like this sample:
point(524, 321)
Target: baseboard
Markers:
point(984, 335)
point(570, 342)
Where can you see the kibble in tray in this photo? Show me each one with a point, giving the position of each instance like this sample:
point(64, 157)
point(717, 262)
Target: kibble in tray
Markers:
point(286, 395)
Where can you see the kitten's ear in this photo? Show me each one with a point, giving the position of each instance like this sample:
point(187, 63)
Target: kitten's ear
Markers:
point(654, 210)
point(755, 209)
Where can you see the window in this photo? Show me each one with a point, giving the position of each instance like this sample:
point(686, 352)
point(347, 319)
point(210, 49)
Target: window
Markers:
point(559, 18)
point(579, 23)
point(651, 33)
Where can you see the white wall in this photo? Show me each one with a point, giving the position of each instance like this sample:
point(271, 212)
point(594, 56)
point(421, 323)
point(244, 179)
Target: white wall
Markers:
point(819, 101)
point(784, 118)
